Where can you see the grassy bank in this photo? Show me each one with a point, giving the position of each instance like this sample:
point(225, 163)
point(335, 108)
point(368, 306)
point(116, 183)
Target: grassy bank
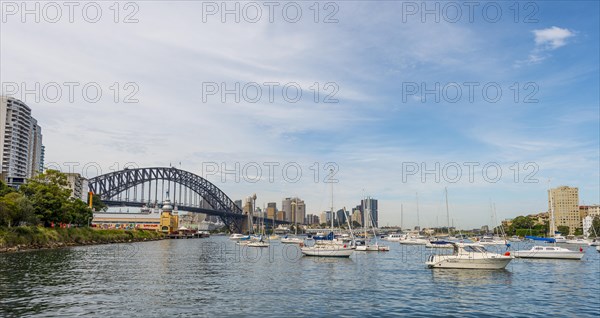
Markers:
point(33, 237)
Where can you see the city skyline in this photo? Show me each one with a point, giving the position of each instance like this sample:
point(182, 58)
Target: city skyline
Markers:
point(377, 130)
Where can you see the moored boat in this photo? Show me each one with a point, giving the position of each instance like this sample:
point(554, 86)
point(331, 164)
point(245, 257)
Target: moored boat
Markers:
point(327, 250)
point(550, 252)
point(237, 237)
point(469, 256)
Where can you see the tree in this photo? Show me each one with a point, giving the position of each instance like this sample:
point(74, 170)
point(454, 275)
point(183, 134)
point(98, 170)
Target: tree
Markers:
point(15, 209)
point(97, 204)
point(5, 189)
point(48, 192)
point(563, 229)
point(595, 230)
point(520, 222)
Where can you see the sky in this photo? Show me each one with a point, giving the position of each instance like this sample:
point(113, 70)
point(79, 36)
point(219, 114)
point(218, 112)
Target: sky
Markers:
point(503, 98)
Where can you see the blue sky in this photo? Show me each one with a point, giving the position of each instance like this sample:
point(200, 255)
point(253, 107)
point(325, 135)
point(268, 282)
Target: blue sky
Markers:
point(370, 54)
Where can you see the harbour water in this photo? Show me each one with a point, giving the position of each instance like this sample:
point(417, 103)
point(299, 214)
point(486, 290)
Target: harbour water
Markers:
point(214, 277)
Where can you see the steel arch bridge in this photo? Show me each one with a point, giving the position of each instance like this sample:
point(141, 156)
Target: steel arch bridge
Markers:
point(188, 191)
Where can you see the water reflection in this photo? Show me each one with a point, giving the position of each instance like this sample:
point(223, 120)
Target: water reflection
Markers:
point(215, 277)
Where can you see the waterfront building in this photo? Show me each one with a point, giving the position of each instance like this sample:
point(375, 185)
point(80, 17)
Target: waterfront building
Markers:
point(370, 211)
point(271, 210)
point(281, 216)
point(565, 201)
point(325, 217)
point(21, 149)
point(312, 219)
point(238, 203)
point(587, 225)
point(169, 220)
point(295, 210)
point(78, 185)
point(357, 216)
point(340, 217)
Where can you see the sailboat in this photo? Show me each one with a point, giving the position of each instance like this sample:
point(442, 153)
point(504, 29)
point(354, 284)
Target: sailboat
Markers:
point(440, 243)
point(550, 252)
point(260, 242)
point(328, 250)
point(416, 238)
point(368, 247)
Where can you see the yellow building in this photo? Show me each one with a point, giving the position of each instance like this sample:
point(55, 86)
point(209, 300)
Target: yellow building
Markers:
point(565, 203)
point(272, 210)
point(169, 220)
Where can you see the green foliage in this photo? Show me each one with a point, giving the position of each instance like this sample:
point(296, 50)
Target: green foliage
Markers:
point(4, 189)
point(563, 229)
point(44, 198)
point(16, 209)
point(34, 236)
point(97, 204)
point(595, 230)
point(520, 222)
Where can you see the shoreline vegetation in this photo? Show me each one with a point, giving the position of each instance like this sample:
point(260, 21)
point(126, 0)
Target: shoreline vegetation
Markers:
point(24, 238)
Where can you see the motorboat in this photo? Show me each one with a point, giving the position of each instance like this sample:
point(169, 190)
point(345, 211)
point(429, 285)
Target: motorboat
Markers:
point(598, 248)
point(258, 244)
point(595, 242)
point(470, 256)
point(322, 250)
point(488, 240)
point(578, 241)
point(373, 248)
point(560, 239)
point(439, 244)
point(394, 237)
point(237, 237)
point(550, 252)
point(291, 240)
point(414, 240)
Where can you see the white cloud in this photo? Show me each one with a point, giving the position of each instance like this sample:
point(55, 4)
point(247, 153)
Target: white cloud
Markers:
point(552, 38)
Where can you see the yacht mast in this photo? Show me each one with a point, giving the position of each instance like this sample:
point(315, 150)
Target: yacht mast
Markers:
point(401, 216)
point(418, 223)
point(331, 173)
point(447, 211)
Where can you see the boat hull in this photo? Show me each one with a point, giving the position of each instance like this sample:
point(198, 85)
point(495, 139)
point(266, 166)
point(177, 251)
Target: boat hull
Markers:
point(549, 255)
point(465, 263)
point(326, 252)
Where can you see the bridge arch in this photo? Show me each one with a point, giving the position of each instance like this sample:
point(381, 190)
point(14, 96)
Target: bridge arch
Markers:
point(209, 198)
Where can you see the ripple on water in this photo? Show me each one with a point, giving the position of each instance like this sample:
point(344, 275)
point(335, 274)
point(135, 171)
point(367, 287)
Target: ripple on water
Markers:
point(214, 277)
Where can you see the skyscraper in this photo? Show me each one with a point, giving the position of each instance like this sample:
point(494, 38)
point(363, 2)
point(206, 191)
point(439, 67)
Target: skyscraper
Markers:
point(370, 212)
point(21, 149)
point(295, 209)
point(565, 201)
point(271, 210)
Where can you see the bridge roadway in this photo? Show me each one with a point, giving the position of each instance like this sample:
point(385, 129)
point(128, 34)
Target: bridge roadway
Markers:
point(222, 214)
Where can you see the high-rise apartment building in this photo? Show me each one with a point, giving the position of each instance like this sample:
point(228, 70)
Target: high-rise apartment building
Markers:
point(21, 149)
point(370, 212)
point(295, 210)
point(564, 201)
point(78, 185)
point(312, 219)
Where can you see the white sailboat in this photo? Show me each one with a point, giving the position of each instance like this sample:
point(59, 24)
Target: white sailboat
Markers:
point(328, 250)
point(441, 243)
point(415, 239)
point(370, 247)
